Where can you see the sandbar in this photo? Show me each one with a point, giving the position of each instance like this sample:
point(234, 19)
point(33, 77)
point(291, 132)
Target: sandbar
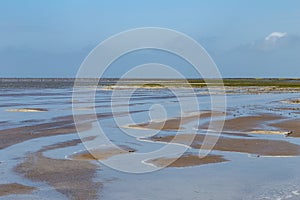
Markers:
point(27, 110)
point(251, 146)
point(291, 126)
point(187, 160)
point(101, 153)
point(245, 123)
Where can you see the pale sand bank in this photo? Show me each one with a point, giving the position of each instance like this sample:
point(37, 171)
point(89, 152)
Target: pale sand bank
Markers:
point(268, 132)
point(27, 110)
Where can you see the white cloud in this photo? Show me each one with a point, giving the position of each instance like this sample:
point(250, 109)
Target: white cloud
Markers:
point(276, 41)
point(275, 36)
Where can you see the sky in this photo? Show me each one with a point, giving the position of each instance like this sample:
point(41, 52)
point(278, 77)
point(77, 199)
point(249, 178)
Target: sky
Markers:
point(245, 38)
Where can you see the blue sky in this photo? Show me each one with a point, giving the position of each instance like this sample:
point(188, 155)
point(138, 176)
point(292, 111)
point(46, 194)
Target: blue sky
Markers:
point(257, 38)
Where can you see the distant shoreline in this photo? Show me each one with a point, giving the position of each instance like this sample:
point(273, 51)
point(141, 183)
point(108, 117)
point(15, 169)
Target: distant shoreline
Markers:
point(69, 82)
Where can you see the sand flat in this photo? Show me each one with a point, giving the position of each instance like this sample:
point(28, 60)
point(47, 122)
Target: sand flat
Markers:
point(187, 160)
point(74, 179)
point(291, 126)
point(251, 146)
point(101, 153)
point(245, 123)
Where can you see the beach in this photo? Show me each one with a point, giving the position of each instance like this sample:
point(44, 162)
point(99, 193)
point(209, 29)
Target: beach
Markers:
point(256, 155)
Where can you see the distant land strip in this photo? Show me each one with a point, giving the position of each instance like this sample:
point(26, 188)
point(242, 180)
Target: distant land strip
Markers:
point(69, 82)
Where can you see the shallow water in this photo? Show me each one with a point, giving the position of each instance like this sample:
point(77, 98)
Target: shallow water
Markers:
point(242, 177)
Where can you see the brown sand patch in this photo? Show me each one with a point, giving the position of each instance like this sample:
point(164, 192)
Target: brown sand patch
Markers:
point(174, 124)
point(246, 123)
point(15, 188)
point(101, 154)
point(252, 146)
point(291, 126)
point(73, 179)
point(187, 160)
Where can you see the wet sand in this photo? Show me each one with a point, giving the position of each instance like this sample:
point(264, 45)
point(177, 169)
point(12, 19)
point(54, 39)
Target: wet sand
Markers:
point(176, 123)
point(74, 179)
point(13, 136)
point(291, 126)
point(101, 154)
point(15, 188)
point(58, 126)
point(187, 160)
point(246, 123)
point(250, 146)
